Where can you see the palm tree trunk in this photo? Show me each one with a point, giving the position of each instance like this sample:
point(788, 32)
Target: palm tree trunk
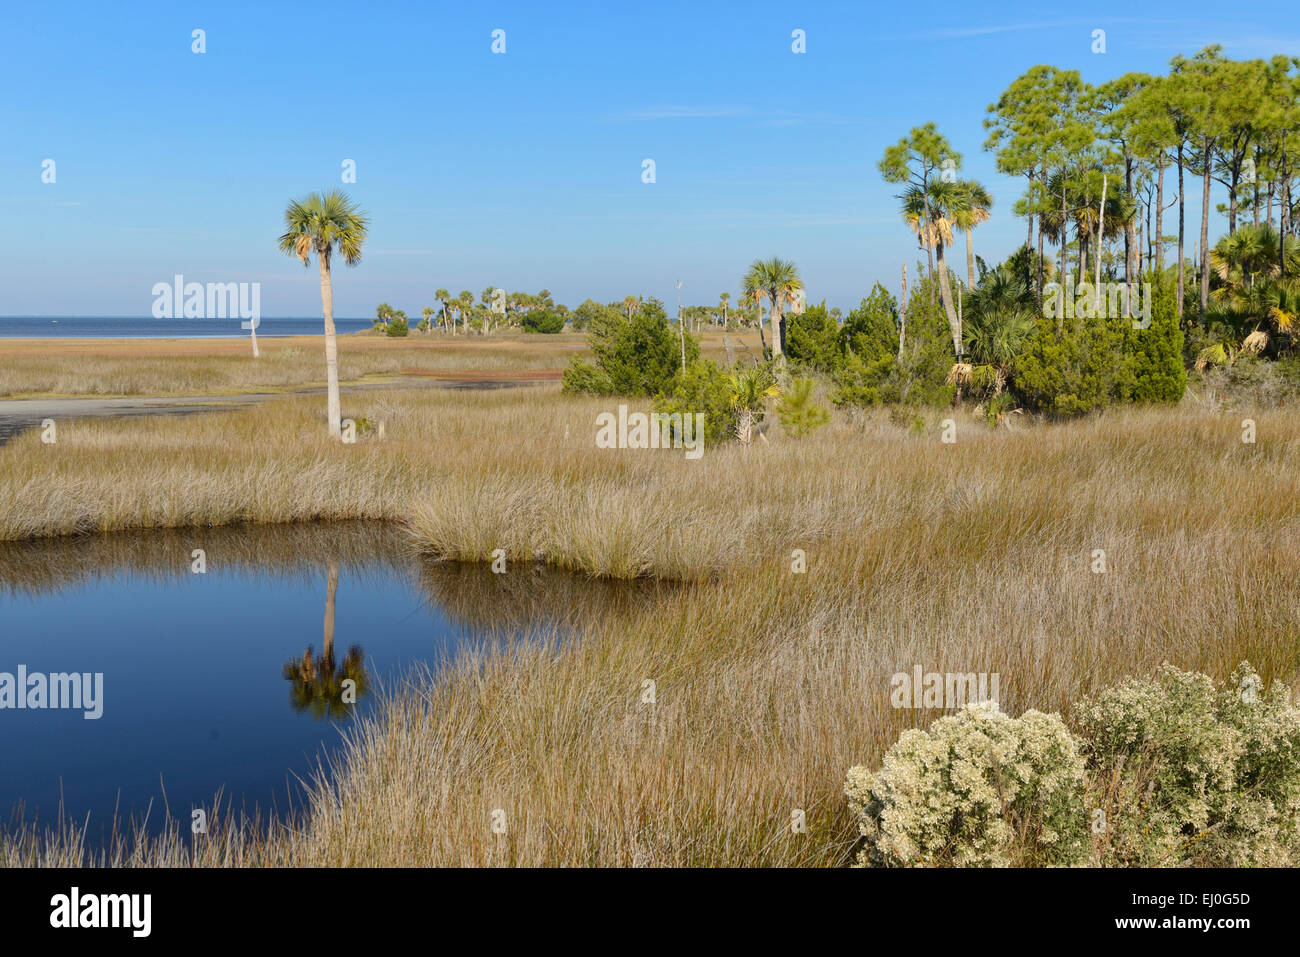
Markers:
point(929, 251)
point(331, 349)
point(331, 589)
point(970, 260)
point(775, 316)
point(945, 293)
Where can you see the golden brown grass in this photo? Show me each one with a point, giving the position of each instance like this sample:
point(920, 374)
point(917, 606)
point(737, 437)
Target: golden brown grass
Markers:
point(768, 685)
point(184, 367)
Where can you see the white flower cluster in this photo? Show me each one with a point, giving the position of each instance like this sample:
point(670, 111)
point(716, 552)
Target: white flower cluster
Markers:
point(971, 788)
point(1193, 775)
point(1169, 771)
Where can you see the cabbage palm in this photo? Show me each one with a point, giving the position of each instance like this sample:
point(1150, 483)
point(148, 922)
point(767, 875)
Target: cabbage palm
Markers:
point(443, 296)
point(323, 223)
point(930, 213)
point(972, 210)
point(750, 388)
point(777, 282)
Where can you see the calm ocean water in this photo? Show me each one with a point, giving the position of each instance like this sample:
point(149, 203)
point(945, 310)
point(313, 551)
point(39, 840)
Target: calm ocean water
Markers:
point(113, 327)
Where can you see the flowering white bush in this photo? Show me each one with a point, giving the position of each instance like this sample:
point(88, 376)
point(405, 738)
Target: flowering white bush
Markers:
point(1187, 774)
point(975, 789)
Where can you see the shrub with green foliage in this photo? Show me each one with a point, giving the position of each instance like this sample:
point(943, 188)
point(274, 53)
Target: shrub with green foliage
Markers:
point(873, 371)
point(640, 356)
point(583, 378)
point(589, 311)
point(542, 320)
point(1074, 365)
point(1078, 364)
point(396, 326)
point(797, 409)
point(972, 789)
point(1190, 775)
point(1159, 374)
point(812, 338)
point(704, 388)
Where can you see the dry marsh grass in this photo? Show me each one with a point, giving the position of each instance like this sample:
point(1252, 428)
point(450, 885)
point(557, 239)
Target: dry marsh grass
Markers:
point(186, 367)
point(768, 684)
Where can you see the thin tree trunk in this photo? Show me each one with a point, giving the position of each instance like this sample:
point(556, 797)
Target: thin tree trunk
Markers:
point(1205, 234)
point(1160, 219)
point(1182, 196)
point(970, 259)
point(945, 293)
point(929, 252)
point(774, 315)
point(331, 590)
point(902, 315)
point(331, 349)
point(1133, 265)
point(1064, 264)
point(1284, 220)
point(1101, 225)
point(1040, 240)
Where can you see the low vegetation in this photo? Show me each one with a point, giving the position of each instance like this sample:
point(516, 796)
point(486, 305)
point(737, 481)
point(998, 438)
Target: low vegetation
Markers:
point(770, 682)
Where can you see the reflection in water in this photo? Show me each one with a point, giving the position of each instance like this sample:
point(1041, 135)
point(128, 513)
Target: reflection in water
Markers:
point(317, 685)
point(181, 723)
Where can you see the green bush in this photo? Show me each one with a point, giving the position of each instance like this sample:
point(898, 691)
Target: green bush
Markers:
point(971, 791)
point(704, 388)
point(812, 339)
point(1190, 775)
point(396, 326)
point(583, 378)
point(1159, 374)
point(543, 321)
point(1074, 365)
point(641, 356)
point(868, 351)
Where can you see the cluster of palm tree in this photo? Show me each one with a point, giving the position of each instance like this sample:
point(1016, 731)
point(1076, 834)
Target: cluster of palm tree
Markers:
point(1254, 300)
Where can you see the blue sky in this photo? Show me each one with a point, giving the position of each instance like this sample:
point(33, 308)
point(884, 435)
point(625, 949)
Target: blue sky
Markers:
point(521, 170)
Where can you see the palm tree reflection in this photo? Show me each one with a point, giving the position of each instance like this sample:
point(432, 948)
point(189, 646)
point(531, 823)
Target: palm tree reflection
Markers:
point(318, 683)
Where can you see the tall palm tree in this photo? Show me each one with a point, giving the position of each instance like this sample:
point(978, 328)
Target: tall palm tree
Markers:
point(323, 223)
point(428, 319)
point(464, 302)
point(724, 300)
point(442, 295)
point(972, 209)
point(930, 214)
point(776, 281)
point(631, 304)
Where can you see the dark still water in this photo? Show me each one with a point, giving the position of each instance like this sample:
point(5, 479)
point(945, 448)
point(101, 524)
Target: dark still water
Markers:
point(78, 327)
point(206, 681)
